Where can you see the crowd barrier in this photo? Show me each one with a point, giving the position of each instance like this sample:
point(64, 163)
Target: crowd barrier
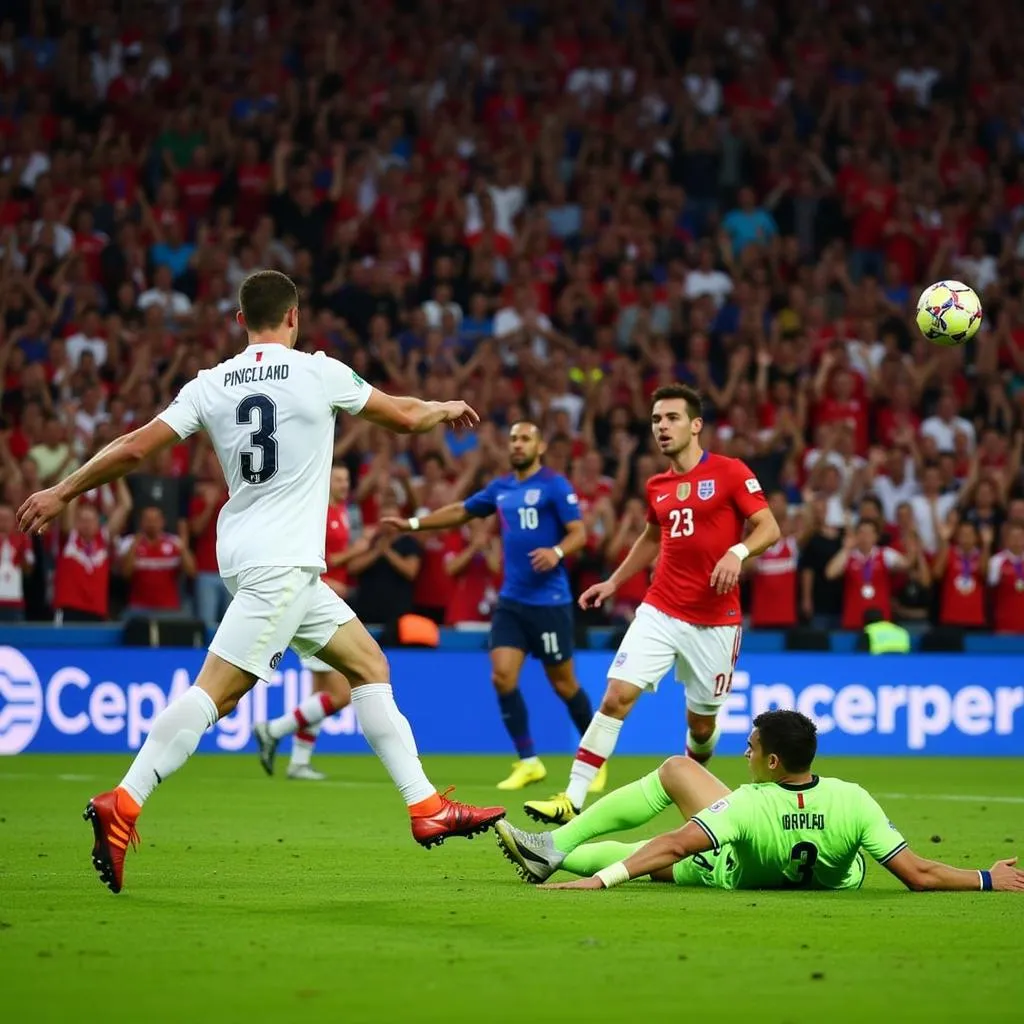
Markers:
point(87, 700)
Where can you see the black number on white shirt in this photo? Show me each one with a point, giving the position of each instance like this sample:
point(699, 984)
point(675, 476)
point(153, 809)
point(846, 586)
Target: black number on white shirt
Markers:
point(261, 438)
point(682, 522)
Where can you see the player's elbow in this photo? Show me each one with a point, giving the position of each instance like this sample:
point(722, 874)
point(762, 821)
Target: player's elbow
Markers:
point(774, 531)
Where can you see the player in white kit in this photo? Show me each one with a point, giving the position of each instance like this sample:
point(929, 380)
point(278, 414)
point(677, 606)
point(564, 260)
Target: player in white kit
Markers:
point(269, 413)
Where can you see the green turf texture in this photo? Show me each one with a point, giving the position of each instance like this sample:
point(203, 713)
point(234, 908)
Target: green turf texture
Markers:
point(256, 899)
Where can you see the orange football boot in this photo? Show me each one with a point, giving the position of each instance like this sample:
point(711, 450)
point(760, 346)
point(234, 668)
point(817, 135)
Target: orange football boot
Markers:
point(113, 825)
point(453, 819)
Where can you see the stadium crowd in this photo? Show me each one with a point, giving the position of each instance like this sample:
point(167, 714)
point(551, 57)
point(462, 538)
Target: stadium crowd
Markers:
point(548, 210)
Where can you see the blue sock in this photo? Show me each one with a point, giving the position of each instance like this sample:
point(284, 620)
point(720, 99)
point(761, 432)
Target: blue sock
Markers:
point(580, 710)
point(514, 715)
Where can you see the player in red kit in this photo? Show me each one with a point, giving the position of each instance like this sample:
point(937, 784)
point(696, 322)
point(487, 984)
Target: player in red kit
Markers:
point(331, 691)
point(696, 513)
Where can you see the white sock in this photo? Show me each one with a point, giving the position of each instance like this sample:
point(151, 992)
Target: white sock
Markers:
point(312, 711)
point(171, 742)
point(388, 731)
point(703, 748)
point(303, 744)
point(531, 760)
point(596, 746)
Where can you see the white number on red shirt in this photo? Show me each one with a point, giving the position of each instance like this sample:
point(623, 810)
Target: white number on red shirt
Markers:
point(682, 522)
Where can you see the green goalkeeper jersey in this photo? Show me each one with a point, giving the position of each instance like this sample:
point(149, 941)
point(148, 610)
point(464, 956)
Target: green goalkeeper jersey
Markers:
point(771, 835)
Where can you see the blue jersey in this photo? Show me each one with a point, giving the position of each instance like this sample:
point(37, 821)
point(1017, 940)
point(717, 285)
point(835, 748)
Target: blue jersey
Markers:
point(533, 514)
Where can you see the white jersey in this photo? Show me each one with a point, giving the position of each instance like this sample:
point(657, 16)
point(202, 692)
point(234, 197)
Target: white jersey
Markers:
point(269, 412)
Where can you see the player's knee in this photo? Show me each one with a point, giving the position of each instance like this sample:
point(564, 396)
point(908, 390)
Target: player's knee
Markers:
point(565, 688)
point(674, 770)
point(702, 729)
point(618, 700)
point(503, 680)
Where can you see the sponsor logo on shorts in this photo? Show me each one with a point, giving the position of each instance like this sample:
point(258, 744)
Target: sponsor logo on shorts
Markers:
point(532, 496)
point(753, 485)
point(276, 660)
point(620, 659)
point(682, 492)
point(705, 489)
point(718, 805)
point(21, 701)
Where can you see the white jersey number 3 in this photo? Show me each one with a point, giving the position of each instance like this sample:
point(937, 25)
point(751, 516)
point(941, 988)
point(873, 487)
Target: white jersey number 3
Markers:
point(682, 522)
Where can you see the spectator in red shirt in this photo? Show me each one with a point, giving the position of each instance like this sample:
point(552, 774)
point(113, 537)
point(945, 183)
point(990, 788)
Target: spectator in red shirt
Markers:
point(155, 562)
point(1006, 579)
point(16, 558)
point(211, 494)
point(961, 568)
point(473, 561)
point(81, 588)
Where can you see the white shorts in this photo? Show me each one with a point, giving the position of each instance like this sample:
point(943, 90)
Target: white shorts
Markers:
point(315, 664)
point(704, 657)
point(274, 608)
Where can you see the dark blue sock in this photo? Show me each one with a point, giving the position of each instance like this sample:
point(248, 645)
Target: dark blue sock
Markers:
point(517, 722)
point(580, 710)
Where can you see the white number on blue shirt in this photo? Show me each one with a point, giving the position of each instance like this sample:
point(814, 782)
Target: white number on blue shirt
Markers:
point(528, 519)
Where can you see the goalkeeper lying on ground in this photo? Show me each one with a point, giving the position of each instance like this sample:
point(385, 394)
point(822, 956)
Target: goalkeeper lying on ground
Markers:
point(789, 829)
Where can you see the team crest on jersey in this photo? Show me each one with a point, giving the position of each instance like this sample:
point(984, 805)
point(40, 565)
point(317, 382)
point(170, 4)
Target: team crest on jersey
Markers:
point(683, 492)
point(705, 489)
point(532, 496)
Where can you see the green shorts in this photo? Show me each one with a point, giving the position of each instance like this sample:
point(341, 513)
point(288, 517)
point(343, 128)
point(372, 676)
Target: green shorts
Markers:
point(714, 870)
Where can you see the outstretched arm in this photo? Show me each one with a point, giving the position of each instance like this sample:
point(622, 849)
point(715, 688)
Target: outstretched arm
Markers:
point(117, 459)
point(407, 415)
point(661, 852)
point(444, 518)
point(923, 875)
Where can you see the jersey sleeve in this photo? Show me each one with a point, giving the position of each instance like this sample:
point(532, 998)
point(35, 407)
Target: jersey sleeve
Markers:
point(567, 504)
point(878, 835)
point(726, 820)
point(183, 415)
point(483, 503)
point(747, 491)
point(346, 390)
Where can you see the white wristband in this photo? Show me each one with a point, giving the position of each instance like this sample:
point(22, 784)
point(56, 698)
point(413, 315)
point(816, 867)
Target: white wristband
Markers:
point(414, 523)
point(614, 874)
point(741, 551)
point(558, 551)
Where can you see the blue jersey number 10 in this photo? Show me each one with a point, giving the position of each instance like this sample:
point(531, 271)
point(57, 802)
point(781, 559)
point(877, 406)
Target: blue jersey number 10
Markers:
point(528, 519)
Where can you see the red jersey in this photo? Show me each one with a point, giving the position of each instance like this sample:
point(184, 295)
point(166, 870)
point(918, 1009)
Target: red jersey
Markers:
point(433, 585)
point(474, 591)
point(962, 597)
point(339, 531)
point(204, 545)
point(868, 584)
point(1006, 578)
point(853, 412)
point(82, 580)
point(155, 576)
point(16, 555)
point(773, 588)
point(701, 514)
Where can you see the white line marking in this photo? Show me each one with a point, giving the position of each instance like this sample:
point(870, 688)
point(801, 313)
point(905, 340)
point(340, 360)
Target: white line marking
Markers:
point(959, 798)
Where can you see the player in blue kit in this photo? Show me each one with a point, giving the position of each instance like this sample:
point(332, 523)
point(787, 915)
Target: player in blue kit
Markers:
point(540, 527)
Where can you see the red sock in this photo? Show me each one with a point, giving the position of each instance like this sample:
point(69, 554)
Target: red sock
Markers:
point(425, 808)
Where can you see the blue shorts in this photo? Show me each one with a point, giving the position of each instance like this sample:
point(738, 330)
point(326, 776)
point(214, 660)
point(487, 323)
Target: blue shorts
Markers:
point(545, 631)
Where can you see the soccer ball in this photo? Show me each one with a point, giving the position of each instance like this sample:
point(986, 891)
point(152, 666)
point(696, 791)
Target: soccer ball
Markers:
point(949, 313)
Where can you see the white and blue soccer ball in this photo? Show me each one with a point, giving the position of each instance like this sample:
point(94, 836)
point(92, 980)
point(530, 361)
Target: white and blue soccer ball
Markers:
point(949, 313)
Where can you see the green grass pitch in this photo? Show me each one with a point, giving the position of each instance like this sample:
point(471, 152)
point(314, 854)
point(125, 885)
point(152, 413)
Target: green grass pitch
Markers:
point(255, 899)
